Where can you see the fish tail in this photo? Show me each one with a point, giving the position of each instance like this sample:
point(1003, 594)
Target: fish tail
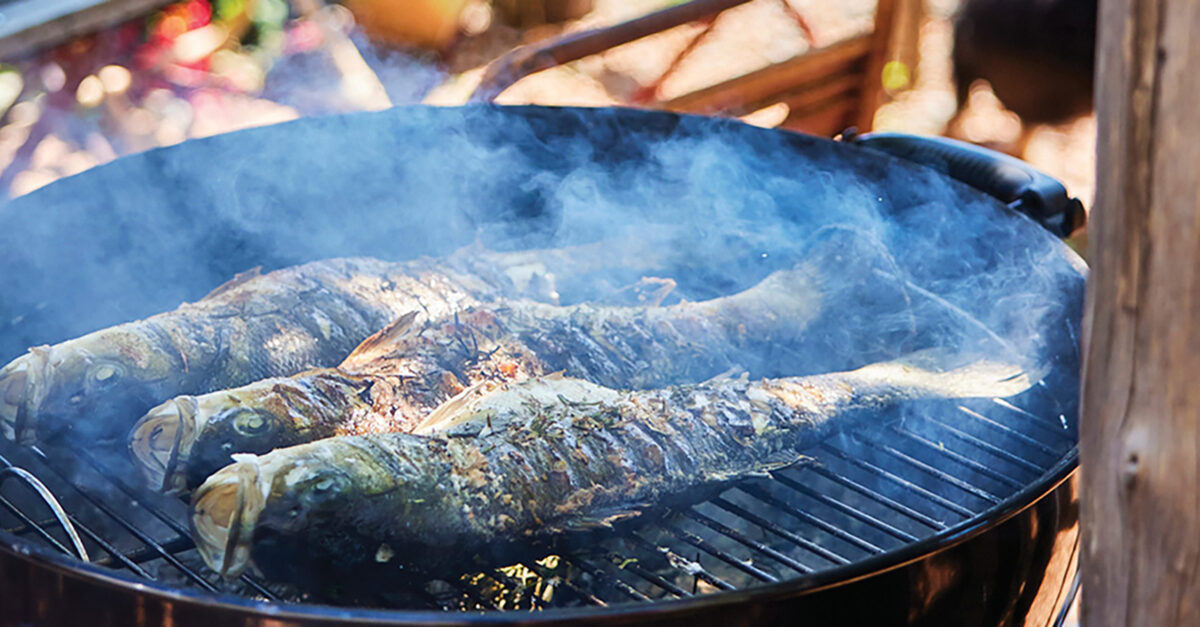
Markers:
point(846, 254)
point(926, 375)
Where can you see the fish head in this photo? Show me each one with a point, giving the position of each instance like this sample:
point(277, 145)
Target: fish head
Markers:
point(23, 384)
point(179, 443)
point(97, 376)
point(225, 509)
point(268, 509)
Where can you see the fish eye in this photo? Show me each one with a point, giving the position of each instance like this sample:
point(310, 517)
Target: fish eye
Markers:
point(252, 423)
point(323, 488)
point(105, 375)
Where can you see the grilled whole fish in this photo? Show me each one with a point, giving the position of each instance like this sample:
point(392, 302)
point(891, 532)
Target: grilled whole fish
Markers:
point(396, 378)
point(534, 458)
point(252, 327)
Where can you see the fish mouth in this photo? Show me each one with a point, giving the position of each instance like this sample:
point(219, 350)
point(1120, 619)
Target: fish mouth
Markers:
point(162, 442)
point(20, 393)
point(12, 399)
point(224, 512)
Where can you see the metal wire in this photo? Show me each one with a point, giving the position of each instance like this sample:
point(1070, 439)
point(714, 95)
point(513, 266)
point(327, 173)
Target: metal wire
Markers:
point(46, 495)
point(184, 536)
point(28, 524)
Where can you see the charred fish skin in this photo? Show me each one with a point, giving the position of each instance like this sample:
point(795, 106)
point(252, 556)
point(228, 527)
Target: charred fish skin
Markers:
point(550, 455)
point(253, 327)
point(403, 378)
point(269, 325)
point(297, 411)
point(642, 348)
point(96, 373)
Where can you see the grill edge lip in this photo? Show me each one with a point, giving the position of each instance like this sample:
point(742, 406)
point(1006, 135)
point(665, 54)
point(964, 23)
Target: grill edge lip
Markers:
point(1023, 499)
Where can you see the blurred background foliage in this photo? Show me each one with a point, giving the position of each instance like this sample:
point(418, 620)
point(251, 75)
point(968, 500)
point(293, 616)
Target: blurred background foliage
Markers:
point(198, 67)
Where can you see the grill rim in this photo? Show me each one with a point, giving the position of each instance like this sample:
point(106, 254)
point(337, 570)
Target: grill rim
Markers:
point(1018, 502)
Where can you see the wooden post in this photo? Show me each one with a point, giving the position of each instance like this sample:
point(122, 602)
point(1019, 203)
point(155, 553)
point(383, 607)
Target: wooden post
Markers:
point(1140, 445)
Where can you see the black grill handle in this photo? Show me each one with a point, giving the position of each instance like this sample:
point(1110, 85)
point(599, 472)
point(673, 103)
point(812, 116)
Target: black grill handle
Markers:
point(1016, 183)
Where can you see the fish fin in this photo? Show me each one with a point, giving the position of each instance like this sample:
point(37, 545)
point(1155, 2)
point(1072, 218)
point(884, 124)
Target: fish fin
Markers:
point(945, 360)
point(603, 518)
point(379, 343)
point(845, 252)
point(941, 374)
point(468, 251)
point(774, 462)
point(733, 374)
point(452, 414)
point(937, 359)
point(780, 460)
point(649, 291)
point(238, 279)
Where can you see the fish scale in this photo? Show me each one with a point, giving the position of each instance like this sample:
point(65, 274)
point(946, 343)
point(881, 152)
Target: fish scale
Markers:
point(668, 446)
point(415, 366)
point(254, 326)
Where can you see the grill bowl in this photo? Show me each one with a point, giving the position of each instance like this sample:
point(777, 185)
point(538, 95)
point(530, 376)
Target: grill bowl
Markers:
point(74, 251)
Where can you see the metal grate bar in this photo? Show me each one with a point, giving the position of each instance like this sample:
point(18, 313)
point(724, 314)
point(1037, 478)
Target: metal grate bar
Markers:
point(512, 583)
point(694, 567)
point(34, 527)
point(160, 515)
point(891, 503)
point(257, 587)
point(597, 572)
point(112, 551)
point(29, 523)
point(704, 545)
point(821, 524)
point(144, 554)
point(905, 483)
point(960, 458)
point(80, 527)
point(740, 538)
point(761, 532)
point(135, 494)
point(940, 475)
point(129, 527)
point(133, 530)
point(780, 531)
point(37, 527)
point(988, 447)
point(854, 513)
point(1009, 431)
point(632, 566)
point(1057, 429)
point(548, 576)
point(24, 528)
